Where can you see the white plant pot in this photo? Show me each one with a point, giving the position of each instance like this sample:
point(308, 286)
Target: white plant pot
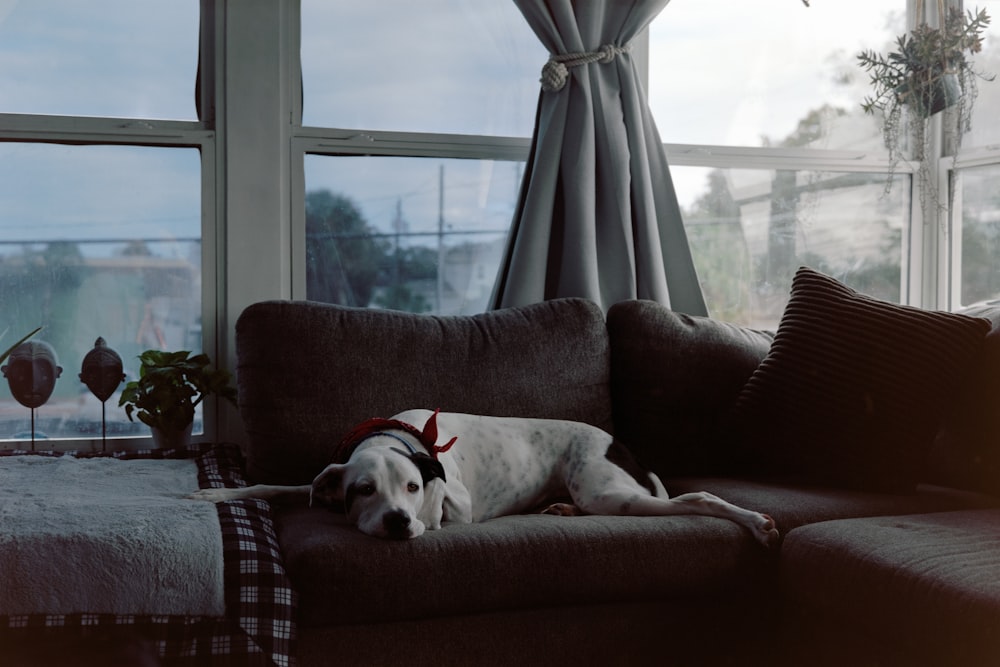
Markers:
point(171, 439)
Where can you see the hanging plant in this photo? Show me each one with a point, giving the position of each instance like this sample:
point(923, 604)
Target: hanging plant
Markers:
point(929, 71)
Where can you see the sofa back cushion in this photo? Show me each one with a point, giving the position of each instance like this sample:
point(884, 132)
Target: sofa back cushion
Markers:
point(966, 452)
point(308, 372)
point(674, 379)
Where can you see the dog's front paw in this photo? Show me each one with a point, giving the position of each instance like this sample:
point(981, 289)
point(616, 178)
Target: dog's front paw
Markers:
point(432, 510)
point(432, 520)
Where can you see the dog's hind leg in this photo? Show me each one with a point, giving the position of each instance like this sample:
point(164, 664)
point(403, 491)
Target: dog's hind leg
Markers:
point(661, 491)
point(636, 502)
point(600, 488)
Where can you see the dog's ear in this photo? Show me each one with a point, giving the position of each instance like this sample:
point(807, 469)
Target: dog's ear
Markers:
point(430, 468)
point(329, 485)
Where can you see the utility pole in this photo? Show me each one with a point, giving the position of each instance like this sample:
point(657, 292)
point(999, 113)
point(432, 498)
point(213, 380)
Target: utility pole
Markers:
point(440, 260)
point(397, 225)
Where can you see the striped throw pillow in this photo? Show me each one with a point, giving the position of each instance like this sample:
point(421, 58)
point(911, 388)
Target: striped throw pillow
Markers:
point(853, 389)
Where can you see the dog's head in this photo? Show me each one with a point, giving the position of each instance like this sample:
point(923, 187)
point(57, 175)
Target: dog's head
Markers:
point(381, 490)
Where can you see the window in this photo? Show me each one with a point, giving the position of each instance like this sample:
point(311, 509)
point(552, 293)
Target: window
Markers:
point(750, 229)
point(985, 130)
point(803, 181)
point(164, 165)
point(102, 204)
point(766, 74)
point(421, 224)
point(975, 239)
point(415, 234)
point(979, 239)
point(124, 58)
point(444, 66)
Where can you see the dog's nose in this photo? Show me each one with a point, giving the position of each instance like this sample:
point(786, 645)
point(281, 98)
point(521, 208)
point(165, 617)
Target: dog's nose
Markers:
point(396, 522)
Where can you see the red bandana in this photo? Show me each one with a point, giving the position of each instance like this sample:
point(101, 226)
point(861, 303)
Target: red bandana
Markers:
point(364, 430)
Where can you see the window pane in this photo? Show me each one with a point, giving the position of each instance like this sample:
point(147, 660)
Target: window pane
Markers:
point(96, 241)
point(414, 234)
point(985, 130)
point(447, 66)
point(772, 73)
point(123, 58)
point(980, 272)
point(750, 229)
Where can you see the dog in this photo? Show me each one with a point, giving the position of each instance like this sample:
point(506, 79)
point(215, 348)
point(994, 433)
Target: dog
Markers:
point(395, 481)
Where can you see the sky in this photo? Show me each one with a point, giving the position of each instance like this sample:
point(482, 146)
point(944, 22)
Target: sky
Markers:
point(729, 77)
point(723, 72)
point(136, 60)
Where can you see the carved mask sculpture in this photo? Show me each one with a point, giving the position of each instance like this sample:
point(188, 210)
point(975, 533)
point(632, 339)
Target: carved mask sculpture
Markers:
point(102, 370)
point(31, 372)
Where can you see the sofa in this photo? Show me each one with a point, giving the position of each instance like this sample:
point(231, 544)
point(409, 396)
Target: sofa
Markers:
point(869, 432)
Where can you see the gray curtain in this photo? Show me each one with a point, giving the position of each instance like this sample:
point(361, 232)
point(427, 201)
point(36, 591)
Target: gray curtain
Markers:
point(597, 215)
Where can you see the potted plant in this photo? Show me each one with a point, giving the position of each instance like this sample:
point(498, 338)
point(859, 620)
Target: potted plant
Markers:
point(169, 388)
point(929, 71)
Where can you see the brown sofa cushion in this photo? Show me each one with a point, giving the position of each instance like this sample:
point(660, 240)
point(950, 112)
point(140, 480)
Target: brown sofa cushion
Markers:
point(673, 378)
point(794, 503)
point(967, 450)
point(853, 389)
point(928, 585)
point(513, 562)
point(308, 372)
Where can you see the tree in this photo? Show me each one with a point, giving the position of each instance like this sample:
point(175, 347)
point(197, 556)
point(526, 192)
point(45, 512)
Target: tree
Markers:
point(403, 266)
point(401, 297)
point(980, 248)
point(343, 253)
point(412, 263)
point(40, 287)
point(744, 288)
point(719, 249)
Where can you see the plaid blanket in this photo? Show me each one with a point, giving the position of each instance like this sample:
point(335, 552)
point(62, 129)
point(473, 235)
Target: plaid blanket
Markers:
point(259, 625)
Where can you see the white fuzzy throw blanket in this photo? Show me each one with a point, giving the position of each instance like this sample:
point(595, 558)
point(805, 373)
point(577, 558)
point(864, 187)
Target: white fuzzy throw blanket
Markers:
point(104, 535)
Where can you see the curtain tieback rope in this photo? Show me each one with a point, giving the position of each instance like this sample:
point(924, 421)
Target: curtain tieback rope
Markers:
point(556, 70)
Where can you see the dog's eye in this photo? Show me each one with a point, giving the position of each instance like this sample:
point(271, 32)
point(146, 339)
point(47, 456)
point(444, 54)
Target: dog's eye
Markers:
point(365, 489)
point(412, 487)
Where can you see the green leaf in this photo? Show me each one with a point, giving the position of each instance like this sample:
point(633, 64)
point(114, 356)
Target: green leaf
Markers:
point(170, 386)
point(14, 346)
